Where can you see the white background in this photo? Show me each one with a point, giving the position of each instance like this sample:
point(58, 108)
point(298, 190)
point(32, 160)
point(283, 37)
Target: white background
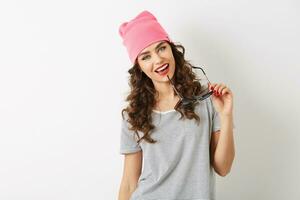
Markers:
point(63, 81)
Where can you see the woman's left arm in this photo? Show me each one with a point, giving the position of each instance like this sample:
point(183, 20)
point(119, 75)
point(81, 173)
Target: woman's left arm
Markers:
point(222, 142)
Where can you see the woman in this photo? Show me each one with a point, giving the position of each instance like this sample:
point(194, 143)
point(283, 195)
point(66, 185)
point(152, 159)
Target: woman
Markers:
point(179, 142)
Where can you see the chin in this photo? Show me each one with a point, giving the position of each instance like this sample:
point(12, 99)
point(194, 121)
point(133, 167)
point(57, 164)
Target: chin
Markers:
point(161, 80)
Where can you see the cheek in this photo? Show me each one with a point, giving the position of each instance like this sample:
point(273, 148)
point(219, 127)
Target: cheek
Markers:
point(147, 70)
point(170, 56)
point(172, 60)
point(144, 67)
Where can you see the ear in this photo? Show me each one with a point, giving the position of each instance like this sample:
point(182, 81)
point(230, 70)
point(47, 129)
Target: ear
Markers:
point(136, 62)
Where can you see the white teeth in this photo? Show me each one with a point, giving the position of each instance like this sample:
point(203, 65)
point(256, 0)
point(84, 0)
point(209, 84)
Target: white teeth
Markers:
point(161, 69)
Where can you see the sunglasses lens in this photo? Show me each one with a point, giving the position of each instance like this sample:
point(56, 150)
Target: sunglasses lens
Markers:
point(204, 94)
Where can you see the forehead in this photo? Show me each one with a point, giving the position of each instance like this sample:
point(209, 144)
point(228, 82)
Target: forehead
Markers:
point(152, 46)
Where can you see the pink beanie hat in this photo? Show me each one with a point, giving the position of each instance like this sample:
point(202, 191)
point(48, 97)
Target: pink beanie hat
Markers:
point(140, 32)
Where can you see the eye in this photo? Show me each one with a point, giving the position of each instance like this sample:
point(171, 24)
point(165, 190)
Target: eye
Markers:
point(145, 57)
point(162, 48)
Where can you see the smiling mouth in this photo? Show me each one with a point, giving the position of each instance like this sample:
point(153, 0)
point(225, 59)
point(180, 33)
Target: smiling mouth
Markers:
point(162, 69)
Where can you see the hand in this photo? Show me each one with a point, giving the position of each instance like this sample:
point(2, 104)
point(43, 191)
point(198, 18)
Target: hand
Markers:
point(222, 98)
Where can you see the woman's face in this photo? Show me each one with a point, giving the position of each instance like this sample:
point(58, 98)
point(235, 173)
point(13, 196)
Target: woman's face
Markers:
point(157, 61)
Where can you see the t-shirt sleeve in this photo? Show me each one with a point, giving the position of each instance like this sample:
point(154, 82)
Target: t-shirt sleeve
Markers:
point(128, 143)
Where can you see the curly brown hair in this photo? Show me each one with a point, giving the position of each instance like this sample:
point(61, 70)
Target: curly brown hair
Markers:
point(141, 99)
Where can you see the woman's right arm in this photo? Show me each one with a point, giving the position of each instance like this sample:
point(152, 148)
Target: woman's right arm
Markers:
point(131, 173)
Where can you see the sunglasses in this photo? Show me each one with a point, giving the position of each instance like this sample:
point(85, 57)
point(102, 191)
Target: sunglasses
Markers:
point(184, 101)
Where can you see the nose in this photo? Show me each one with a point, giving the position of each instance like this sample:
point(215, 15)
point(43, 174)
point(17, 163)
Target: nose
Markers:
point(157, 59)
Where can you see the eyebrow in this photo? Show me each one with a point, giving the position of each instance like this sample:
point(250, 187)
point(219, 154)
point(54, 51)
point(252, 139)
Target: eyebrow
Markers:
point(146, 52)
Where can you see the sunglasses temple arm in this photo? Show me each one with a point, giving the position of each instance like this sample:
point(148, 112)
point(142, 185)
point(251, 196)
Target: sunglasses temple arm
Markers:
point(202, 72)
point(172, 84)
point(205, 75)
point(207, 79)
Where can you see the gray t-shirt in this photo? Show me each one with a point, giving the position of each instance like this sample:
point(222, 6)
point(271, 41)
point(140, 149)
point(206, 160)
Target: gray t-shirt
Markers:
point(177, 167)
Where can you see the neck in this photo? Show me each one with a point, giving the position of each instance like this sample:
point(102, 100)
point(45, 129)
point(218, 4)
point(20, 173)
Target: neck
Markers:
point(165, 92)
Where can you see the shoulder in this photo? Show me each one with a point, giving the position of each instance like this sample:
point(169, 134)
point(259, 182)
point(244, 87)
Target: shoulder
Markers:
point(125, 120)
point(124, 114)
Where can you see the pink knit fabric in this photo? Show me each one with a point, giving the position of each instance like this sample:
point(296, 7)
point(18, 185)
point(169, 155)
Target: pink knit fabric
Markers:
point(140, 32)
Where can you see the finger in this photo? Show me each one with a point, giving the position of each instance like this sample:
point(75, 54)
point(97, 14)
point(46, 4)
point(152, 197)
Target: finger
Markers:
point(212, 86)
point(218, 88)
point(225, 90)
point(221, 89)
